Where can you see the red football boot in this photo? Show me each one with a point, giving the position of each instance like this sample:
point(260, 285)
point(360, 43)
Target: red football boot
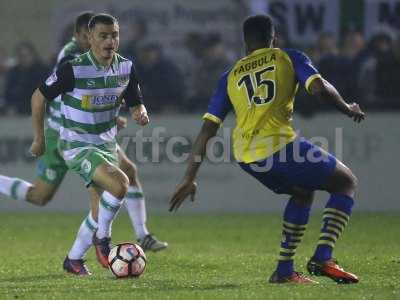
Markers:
point(331, 269)
point(103, 247)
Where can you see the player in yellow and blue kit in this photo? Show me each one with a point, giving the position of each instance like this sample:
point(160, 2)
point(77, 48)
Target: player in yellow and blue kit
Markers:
point(260, 89)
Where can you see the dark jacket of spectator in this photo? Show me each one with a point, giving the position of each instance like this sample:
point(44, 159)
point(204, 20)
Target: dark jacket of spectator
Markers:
point(214, 62)
point(161, 80)
point(23, 79)
point(380, 74)
point(388, 78)
point(135, 36)
point(337, 69)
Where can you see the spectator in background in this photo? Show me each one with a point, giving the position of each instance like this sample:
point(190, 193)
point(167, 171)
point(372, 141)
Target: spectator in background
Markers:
point(281, 37)
point(5, 64)
point(353, 44)
point(194, 44)
point(65, 36)
point(23, 79)
point(388, 77)
point(161, 80)
point(334, 66)
point(135, 34)
point(213, 61)
point(354, 48)
point(379, 78)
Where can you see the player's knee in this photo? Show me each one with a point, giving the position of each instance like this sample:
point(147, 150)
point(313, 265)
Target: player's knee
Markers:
point(347, 184)
point(302, 197)
point(353, 182)
point(131, 172)
point(121, 190)
point(122, 187)
point(37, 198)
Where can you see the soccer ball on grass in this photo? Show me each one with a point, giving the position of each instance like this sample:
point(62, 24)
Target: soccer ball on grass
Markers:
point(127, 260)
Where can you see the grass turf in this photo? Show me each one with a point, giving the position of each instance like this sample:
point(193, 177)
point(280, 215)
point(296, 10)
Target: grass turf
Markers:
point(210, 257)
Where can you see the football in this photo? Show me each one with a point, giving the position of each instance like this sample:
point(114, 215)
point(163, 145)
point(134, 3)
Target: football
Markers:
point(127, 260)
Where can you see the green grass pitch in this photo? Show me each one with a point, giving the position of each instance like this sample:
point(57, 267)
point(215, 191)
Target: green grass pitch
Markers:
point(210, 257)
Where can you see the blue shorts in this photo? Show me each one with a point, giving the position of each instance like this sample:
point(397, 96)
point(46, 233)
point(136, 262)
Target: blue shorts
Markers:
point(298, 164)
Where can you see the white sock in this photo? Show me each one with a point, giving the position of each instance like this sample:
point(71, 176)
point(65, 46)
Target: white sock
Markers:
point(108, 209)
point(14, 187)
point(83, 239)
point(136, 207)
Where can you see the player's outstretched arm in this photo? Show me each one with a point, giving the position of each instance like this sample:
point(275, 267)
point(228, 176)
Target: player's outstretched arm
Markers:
point(38, 105)
point(188, 185)
point(326, 92)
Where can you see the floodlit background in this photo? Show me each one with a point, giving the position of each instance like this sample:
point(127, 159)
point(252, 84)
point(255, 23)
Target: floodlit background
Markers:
point(180, 48)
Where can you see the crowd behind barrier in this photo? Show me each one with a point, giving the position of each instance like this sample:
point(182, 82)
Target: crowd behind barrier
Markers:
point(365, 71)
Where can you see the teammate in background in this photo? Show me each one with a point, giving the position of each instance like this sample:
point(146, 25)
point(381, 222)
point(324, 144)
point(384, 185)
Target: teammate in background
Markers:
point(260, 88)
point(52, 169)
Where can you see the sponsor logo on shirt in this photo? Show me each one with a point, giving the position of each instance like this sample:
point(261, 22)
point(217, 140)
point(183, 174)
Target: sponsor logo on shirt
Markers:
point(99, 101)
point(91, 83)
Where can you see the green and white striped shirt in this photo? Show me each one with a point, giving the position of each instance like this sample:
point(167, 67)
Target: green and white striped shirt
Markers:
point(70, 51)
point(90, 100)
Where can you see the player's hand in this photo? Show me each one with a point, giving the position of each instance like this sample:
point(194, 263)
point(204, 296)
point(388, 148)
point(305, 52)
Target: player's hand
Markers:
point(182, 191)
point(38, 147)
point(121, 123)
point(355, 112)
point(140, 115)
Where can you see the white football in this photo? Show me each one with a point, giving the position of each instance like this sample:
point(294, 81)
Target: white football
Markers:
point(127, 260)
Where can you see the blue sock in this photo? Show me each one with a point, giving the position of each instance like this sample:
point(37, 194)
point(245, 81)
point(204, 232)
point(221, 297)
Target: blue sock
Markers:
point(335, 218)
point(295, 219)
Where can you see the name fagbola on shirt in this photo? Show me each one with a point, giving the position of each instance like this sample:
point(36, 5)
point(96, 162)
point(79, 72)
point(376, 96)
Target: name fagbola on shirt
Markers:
point(254, 64)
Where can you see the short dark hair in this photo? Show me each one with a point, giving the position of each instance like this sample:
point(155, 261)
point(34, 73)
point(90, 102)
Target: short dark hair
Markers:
point(82, 21)
point(102, 19)
point(258, 29)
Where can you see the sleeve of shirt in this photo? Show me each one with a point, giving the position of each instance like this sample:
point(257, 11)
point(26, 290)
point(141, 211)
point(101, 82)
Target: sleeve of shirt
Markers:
point(220, 104)
point(132, 94)
point(60, 82)
point(64, 60)
point(303, 67)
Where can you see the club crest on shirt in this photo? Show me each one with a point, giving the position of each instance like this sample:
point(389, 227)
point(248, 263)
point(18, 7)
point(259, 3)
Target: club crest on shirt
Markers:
point(123, 80)
point(86, 166)
point(51, 174)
